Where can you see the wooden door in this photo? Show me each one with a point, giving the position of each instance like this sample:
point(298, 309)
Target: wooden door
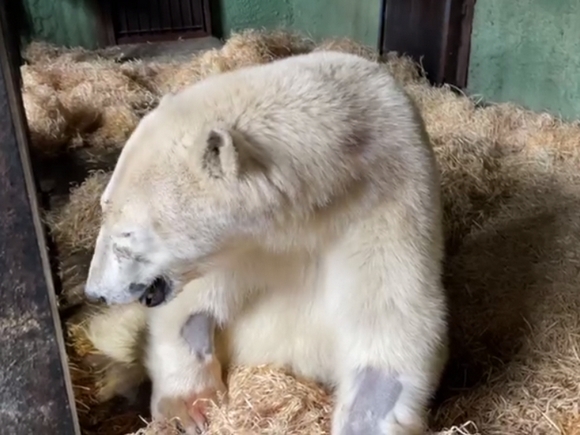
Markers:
point(436, 32)
point(130, 21)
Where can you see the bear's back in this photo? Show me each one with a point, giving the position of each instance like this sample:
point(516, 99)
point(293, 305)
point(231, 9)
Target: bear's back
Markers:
point(322, 123)
point(322, 85)
point(327, 106)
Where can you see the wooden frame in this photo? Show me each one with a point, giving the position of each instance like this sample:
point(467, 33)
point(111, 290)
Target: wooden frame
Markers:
point(435, 32)
point(35, 386)
point(105, 31)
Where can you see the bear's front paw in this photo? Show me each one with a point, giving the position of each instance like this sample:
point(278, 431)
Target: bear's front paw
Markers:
point(191, 411)
point(191, 408)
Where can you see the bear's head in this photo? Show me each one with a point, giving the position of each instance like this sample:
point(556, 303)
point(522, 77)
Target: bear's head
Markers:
point(187, 191)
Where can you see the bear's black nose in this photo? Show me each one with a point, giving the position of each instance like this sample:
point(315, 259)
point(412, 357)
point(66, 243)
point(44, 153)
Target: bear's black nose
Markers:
point(94, 298)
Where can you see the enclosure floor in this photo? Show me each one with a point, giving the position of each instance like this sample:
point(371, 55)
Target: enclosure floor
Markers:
point(166, 51)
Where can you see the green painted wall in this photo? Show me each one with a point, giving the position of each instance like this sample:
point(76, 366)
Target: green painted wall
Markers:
point(62, 22)
point(234, 15)
point(350, 18)
point(528, 52)
point(356, 19)
point(72, 23)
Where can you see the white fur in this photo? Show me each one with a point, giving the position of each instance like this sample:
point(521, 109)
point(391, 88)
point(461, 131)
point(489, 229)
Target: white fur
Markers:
point(312, 232)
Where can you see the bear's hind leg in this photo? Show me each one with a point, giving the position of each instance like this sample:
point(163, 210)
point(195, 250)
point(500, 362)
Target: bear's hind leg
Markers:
point(388, 309)
point(375, 398)
point(376, 401)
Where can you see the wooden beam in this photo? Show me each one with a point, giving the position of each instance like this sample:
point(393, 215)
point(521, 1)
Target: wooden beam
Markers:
point(35, 388)
point(104, 19)
point(436, 32)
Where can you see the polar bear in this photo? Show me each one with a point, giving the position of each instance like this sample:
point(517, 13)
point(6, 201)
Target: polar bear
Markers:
point(287, 214)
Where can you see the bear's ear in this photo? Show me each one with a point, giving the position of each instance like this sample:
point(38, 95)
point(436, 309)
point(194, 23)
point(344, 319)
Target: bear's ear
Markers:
point(220, 156)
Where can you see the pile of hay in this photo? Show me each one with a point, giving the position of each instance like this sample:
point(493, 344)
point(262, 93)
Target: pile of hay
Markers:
point(510, 181)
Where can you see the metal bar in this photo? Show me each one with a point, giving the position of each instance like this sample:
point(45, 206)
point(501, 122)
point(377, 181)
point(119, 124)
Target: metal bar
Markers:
point(127, 25)
point(206, 17)
point(170, 15)
point(382, 27)
point(184, 24)
point(154, 16)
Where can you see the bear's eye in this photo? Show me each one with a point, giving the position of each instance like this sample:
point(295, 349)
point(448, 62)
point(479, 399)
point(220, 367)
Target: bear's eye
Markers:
point(126, 234)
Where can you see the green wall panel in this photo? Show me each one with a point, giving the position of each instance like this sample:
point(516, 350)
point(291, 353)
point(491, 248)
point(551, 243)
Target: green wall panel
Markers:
point(358, 20)
point(237, 15)
point(528, 52)
point(320, 19)
point(62, 22)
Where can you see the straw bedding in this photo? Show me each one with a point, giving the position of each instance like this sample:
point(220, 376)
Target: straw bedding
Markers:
point(512, 271)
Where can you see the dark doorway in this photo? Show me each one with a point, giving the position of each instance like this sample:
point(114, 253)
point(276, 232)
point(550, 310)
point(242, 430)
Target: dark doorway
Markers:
point(132, 21)
point(437, 32)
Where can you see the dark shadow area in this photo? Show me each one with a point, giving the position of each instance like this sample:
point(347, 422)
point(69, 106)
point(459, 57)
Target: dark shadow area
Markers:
point(18, 21)
point(494, 278)
point(217, 29)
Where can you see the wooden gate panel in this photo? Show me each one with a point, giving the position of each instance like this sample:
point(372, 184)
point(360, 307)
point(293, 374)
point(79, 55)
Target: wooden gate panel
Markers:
point(35, 387)
point(154, 20)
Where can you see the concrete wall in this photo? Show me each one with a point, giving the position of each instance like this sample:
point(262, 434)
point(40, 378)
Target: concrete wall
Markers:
point(357, 19)
point(528, 52)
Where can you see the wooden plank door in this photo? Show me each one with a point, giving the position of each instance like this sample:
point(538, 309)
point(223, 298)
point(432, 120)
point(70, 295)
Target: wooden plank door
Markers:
point(131, 21)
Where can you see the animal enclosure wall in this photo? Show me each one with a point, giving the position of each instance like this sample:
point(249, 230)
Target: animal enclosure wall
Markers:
point(319, 19)
point(94, 23)
point(78, 22)
point(61, 22)
point(526, 51)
